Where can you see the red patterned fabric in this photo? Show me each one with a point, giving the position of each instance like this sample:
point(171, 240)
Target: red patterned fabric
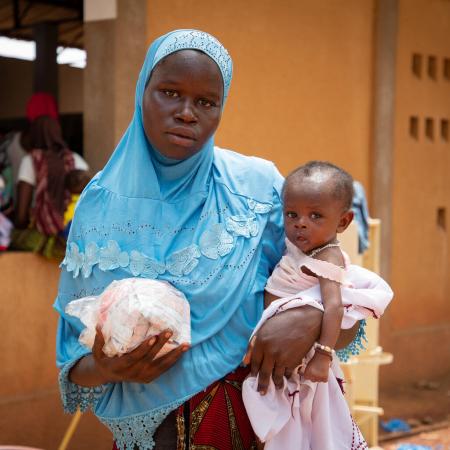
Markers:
point(217, 417)
point(49, 219)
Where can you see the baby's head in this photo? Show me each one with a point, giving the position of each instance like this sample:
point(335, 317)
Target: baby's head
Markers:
point(317, 201)
point(76, 181)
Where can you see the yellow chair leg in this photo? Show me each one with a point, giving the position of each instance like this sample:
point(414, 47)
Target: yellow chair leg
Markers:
point(70, 430)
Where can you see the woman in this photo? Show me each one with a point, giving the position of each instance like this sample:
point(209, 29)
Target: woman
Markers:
point(41, 180)
point(169, 205)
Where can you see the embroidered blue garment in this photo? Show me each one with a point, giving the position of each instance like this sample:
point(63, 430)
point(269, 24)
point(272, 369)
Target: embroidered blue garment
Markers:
point(211, 225)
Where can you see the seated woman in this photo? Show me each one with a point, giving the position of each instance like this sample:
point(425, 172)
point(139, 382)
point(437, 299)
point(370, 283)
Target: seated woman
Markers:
point(42, 196)
point(169, 205)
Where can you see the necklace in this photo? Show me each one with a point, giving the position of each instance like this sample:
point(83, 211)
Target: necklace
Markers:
point(314, 252)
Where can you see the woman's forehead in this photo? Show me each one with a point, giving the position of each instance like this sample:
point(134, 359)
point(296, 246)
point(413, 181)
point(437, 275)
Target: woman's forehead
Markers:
point(196, 40)
point(189, 59)
point(186, 65)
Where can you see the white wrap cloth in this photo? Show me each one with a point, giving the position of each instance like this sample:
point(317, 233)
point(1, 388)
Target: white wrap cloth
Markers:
point(364, 293)
point(132, 310)
point(304, 415)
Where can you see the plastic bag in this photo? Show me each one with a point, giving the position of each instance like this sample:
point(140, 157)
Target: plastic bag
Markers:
point(132, 310)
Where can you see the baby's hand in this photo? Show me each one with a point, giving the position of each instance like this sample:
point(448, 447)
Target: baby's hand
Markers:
point(317, 368)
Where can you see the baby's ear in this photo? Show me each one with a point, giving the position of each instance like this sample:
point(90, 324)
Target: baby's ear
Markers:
point(346, 220)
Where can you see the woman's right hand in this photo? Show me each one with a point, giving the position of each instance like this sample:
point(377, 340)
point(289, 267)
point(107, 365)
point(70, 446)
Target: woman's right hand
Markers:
point(140, 365)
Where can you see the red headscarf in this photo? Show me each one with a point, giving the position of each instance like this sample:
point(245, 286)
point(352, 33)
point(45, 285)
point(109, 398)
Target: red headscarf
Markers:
point(42, 104)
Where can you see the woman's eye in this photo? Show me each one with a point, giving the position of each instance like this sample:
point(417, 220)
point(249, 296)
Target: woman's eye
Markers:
point(291, 214)
point(206, 103)
point(170, 93)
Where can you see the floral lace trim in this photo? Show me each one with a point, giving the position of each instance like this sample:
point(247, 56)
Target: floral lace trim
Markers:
point(355, 347)
point(74, 396)
point(214, 243)
point(137, 431)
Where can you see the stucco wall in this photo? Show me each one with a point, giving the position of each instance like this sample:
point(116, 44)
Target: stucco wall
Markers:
point(301, 88)
point(417, 326)
point(30, 406)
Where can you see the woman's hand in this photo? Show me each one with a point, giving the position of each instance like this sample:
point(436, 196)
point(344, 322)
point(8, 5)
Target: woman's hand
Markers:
point(281, 344)
point(284, 340)
point(138, 366)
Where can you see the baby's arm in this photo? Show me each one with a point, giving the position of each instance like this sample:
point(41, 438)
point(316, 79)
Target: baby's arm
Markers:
point(269, 298)
point(317, 369)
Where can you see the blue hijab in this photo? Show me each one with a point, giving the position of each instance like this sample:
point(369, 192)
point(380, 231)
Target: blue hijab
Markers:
point(211, 225)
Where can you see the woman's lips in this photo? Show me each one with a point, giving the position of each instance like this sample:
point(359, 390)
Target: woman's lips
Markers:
point(183, 138)
point(182, 141)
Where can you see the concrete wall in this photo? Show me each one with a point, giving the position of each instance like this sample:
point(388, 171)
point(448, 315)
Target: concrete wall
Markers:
point(115, 51)
point(302, 79)
point(417, 326)
point(30, 408)
point(16, 88)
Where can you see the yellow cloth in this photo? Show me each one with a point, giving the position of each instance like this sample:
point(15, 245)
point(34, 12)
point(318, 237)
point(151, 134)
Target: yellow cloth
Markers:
point(70, 210)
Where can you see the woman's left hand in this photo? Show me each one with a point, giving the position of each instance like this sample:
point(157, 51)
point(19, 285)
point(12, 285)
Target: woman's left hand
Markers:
point(281, 344)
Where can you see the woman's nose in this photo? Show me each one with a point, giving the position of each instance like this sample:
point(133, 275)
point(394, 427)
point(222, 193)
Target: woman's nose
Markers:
point(186, 113)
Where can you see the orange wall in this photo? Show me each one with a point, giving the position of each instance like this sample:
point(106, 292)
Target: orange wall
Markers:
point(302, 76)
point(30, 407)
point(417, 328)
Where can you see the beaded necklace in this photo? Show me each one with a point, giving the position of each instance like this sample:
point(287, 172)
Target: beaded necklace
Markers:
point(317, 250)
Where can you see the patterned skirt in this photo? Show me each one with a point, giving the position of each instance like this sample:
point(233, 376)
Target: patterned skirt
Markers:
point(214, 419)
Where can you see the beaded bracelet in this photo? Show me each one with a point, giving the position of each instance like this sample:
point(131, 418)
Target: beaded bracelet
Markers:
point(324, 349)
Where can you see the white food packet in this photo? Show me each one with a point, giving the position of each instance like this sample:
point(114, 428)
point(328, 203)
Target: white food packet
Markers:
point(132, 310)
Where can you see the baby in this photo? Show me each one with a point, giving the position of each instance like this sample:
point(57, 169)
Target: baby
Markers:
point(314, 271)
point(132, 310)
point(317, 206)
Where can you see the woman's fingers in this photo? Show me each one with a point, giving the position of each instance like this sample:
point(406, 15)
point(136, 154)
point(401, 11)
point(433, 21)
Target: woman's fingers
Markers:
point(248, 355)
point(160, 365)
point(157, 345)
point(288, 373)
point(99, 342)
point(256, 359)
point(277, 375)
point(265, 372)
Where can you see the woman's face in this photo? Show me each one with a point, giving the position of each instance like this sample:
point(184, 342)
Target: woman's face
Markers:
point(182, 103)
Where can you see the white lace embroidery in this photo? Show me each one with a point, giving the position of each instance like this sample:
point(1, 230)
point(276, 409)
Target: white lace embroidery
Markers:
point(214, 243)
point(137, 431)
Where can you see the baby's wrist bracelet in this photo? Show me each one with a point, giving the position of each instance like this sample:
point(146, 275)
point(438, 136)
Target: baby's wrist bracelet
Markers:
point(324, 350)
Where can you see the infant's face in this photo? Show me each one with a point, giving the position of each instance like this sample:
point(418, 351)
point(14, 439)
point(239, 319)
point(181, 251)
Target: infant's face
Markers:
point(312, 215)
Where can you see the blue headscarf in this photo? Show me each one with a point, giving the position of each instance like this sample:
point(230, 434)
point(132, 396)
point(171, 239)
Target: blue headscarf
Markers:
point(211, 225)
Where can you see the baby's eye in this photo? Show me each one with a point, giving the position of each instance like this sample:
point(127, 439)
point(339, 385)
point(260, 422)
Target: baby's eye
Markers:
point(206, 103)
point(315, 215)
point(291, 214)
point(170, 93)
